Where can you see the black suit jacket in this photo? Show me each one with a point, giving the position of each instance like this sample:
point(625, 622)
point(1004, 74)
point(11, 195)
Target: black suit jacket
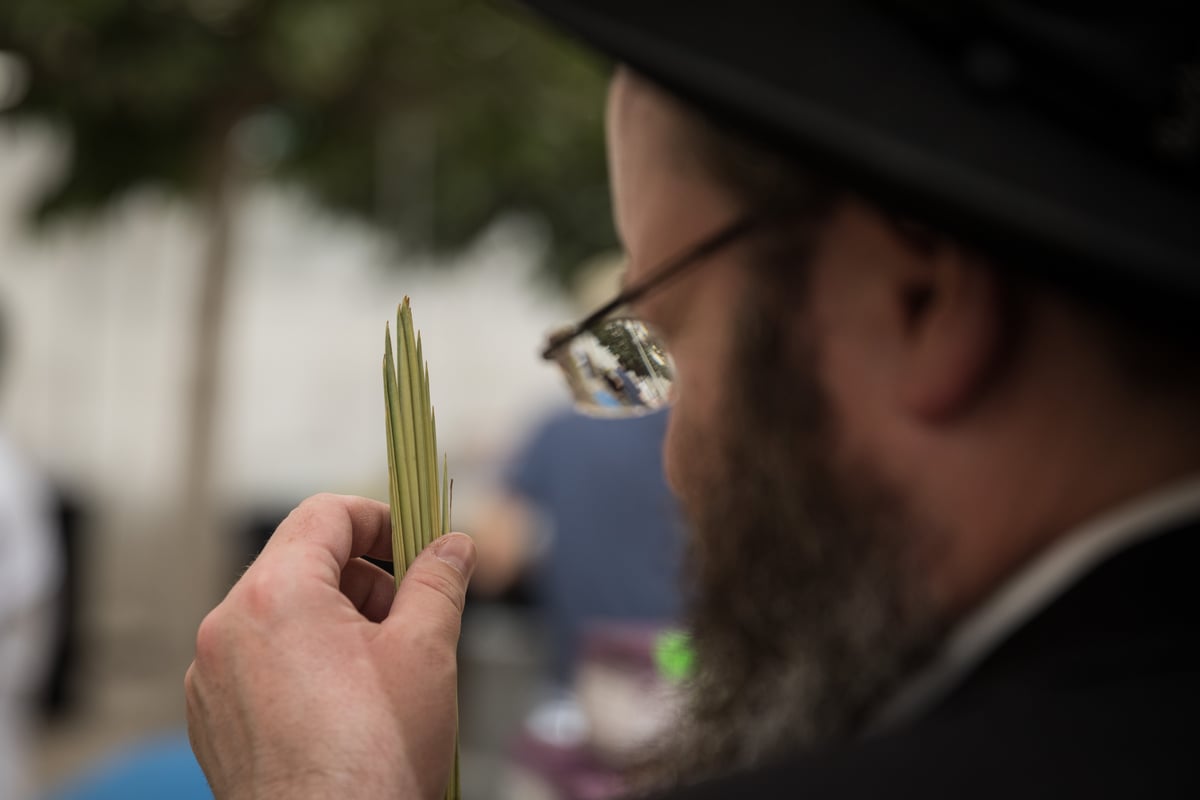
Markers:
point(1096, 697)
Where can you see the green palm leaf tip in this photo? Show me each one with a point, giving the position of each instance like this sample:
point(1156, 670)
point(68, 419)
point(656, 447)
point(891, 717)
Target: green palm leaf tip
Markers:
point(439, 496)
point(397, 506)
point(431, 465)
point(404, 424)
point(411, 393)
point(445, 495)
point(421, 437)
point(404, 510)
point(420, 512)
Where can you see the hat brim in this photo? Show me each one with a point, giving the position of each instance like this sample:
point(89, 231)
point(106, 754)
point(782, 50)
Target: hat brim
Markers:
point(854, 92)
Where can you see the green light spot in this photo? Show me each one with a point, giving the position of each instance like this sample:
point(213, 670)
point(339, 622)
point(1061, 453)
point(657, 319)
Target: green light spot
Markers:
point(674, 657)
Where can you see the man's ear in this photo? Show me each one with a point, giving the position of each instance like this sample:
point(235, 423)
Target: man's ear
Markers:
point(955, 318)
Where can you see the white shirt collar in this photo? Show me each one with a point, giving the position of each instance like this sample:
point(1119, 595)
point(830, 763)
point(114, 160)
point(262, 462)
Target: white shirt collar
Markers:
point(1036, 585)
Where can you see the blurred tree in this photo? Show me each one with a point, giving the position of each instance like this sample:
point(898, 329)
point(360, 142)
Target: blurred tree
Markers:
point(425, 117)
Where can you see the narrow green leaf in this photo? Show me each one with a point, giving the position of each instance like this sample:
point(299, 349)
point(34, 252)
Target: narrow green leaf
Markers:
point(454, 789)
point(418, 424)
point(402, 549)
point(408, 460)
point(435, 489)
point(445, 495)
point(431, 465)
point(393, 488)
point(433, 426)
point(403, 506)
point(429, 486)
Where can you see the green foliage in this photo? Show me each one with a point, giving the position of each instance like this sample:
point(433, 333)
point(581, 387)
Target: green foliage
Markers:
point(426, 117)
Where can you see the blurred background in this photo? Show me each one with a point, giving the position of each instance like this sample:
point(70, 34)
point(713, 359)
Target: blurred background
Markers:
point(208, 209)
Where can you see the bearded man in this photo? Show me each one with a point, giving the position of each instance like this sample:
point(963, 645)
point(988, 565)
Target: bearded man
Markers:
point(926, 274)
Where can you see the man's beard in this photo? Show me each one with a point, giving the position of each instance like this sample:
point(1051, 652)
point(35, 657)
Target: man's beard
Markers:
point(807, 607)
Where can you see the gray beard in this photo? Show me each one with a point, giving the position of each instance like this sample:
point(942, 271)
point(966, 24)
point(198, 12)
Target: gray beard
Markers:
point(806, 608)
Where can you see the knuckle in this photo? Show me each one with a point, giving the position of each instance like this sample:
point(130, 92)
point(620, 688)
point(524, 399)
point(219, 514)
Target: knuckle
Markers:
point(210, 638)
point(254, 600)
point(310, 510)
point(258, 597)
point(319, 502)
point(191, 690)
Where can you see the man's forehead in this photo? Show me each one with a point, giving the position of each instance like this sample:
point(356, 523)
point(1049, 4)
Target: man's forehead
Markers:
point(626, 91)
point(643, 114)
point(659, 186)
point(637, 151)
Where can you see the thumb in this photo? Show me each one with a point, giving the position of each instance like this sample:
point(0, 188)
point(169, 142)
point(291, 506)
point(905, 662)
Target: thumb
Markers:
point(434, 589)
point(419, 645)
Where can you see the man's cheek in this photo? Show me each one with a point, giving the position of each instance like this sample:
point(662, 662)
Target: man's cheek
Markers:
point(692, 442)
point(684, 456)
point(671, 454)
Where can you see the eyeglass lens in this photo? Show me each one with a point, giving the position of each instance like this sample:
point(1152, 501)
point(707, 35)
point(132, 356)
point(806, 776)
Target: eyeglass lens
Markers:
point(618, 369)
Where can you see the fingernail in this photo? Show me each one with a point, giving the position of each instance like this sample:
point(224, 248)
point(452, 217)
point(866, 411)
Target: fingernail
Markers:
point(457, 550)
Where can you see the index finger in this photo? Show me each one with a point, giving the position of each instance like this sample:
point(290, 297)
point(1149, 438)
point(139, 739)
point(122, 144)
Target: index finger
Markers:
point(340, 526)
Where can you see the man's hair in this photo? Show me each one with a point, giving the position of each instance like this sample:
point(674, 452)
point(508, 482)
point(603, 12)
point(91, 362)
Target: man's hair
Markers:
point(1150, 335)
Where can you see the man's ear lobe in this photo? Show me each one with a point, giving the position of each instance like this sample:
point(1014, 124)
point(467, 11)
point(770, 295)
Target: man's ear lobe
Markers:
point(955, 320)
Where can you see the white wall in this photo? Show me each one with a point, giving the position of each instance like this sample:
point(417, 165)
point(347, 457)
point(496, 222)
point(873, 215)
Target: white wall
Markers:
point(100, 316)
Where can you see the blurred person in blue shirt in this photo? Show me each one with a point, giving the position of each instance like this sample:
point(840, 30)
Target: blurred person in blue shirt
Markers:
point(585, 512)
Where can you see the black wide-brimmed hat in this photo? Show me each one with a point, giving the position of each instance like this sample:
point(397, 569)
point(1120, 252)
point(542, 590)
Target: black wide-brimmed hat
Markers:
point(1062, 135)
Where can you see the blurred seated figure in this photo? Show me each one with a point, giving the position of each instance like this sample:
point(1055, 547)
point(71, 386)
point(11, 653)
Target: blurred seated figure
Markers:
point(29, 579)
point(29, 575)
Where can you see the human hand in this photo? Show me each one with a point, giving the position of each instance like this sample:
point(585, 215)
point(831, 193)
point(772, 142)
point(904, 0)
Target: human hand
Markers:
point(316, 678)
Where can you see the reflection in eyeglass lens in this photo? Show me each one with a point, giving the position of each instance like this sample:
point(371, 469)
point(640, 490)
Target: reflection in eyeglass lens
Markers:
point(618, 369)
